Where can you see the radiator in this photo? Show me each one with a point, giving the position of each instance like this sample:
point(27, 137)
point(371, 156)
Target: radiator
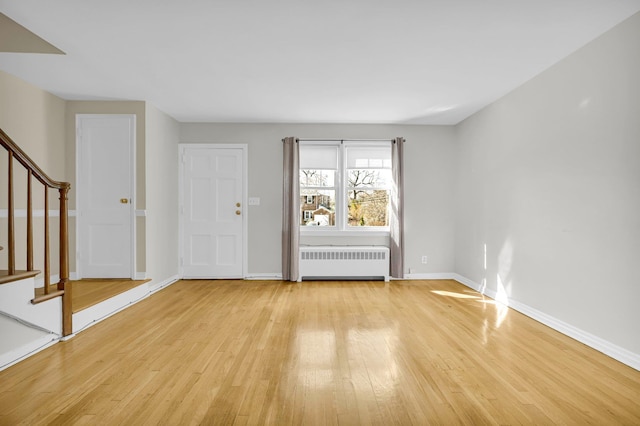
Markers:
point(352, 262)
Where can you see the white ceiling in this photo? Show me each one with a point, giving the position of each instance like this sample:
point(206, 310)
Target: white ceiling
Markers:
point(301, 61)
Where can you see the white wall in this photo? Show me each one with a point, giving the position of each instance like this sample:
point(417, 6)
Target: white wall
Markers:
point(161, 195)
point(34, 120)
point(429, 152)
point(549, 180)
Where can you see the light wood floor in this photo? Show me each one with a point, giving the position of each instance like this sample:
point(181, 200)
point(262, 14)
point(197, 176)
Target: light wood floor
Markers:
point(348, 353)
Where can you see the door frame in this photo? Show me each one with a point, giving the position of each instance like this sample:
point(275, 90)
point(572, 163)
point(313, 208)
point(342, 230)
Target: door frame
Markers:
point(81, 182)
point(245, 216)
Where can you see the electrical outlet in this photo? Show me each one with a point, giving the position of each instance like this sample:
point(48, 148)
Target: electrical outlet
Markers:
point(424, 259)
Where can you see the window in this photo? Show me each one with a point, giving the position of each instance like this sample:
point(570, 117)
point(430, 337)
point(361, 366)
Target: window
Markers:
point(349, 183)
point(318, 170)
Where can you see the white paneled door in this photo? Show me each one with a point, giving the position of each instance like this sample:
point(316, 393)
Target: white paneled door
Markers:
point(212, 212)
point(105, 146)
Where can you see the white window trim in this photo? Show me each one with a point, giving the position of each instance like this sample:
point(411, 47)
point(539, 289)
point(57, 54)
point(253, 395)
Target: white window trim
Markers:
point(342, 229)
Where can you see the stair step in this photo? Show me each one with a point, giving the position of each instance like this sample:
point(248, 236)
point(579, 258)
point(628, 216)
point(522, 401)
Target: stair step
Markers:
point(18, 275)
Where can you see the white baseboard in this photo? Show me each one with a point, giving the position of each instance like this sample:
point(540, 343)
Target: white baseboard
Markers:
point(614, 351)
point(469, 283)
point(431, 276)
point(434, 276)
point(153, 287)
point(263, 277)
point(73, 276)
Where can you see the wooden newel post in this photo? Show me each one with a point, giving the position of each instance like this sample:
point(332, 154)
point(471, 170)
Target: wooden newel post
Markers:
point(64, 284)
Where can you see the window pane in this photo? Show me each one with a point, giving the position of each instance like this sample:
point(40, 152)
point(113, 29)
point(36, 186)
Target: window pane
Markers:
point(368, 178)
point(317, 207)
point(368, 207)
point(369, 157)
point(317, 177)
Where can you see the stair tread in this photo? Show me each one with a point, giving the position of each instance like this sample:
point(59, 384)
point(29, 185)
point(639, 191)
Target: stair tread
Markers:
point(17, 275)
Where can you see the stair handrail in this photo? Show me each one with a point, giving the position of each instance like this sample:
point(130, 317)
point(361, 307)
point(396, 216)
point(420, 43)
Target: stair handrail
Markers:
point(64, 285)
point(29, 164)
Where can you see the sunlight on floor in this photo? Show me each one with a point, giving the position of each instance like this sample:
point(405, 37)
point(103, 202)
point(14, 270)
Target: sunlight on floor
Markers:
point(502, 310)
point(456, 295)
point(317, 351)
point(317, 366)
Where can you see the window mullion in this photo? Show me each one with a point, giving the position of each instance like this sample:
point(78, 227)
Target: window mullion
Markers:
point(341, 194)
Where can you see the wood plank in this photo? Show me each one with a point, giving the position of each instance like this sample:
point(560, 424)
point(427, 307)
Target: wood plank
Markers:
point(270, 352)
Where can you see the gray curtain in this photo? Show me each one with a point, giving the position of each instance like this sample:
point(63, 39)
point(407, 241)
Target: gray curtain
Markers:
point(396, 221)
point(290, 209)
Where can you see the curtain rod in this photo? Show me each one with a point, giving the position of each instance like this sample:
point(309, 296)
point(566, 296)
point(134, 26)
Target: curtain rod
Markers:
point(345, 140)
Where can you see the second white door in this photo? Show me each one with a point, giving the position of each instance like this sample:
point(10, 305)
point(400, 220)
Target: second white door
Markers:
point(213, 212)
point(105, 192)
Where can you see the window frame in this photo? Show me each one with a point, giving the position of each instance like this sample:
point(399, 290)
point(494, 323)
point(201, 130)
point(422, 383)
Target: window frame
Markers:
point(342, 227)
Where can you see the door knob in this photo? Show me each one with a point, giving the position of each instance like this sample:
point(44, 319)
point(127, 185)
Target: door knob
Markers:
point(124, 200)
point(238, 212)
point(237, 204)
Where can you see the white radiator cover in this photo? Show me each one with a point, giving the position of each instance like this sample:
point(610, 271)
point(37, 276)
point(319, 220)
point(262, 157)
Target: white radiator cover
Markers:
point(347, 262)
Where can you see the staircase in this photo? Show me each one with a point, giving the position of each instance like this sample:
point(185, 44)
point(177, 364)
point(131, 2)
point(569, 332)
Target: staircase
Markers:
point(31, 318)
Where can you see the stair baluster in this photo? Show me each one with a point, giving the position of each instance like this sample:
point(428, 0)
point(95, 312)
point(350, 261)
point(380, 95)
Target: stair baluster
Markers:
point(12, 274)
